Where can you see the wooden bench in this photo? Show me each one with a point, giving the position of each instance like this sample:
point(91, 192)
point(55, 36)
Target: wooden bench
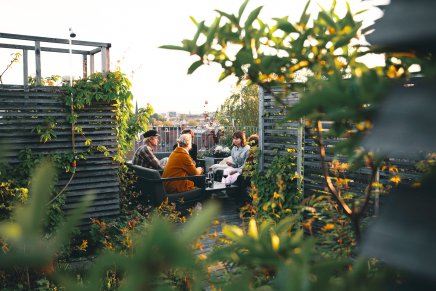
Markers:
point(151, 185)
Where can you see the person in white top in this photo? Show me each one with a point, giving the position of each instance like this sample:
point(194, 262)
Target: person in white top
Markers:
point(239, 155)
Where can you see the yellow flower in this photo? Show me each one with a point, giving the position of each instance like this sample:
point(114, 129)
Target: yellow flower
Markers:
point(395, 179)
point(346, 30)
point(252, 229)
point(198, 246)
point(343, 167)
point(202, 257)
point(331, 30)
point(216, 222)
point(275, 242)
point(360, 126)
point(128, 243)
point(277, 195)
point(108, 245)
point(392, 72)
point(233, 232)
point(328, 226)
point(83, 246)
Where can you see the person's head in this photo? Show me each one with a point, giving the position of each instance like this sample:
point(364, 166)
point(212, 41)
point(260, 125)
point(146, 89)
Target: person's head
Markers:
point(253, 140)
point(185, 141)
point(190, 131)
point(151, 137)
point(239, 139)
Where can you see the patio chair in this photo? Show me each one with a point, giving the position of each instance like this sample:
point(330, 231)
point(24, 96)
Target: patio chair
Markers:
point(151, 185)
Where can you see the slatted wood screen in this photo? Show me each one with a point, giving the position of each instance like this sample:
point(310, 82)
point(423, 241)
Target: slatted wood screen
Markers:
point(279, 134)
point(21, 111)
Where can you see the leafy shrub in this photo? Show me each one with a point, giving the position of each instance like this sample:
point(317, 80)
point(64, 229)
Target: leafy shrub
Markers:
point(324, 219)
point(10, 197)
point(274, 191)
point(275, 256)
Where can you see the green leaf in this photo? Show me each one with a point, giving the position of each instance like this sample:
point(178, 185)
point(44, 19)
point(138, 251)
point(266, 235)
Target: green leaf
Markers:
point(285, 25)
point(305, 17)
point(345, 40)
point(173, 47)
point(231, 17)
point(199, 30)
point(212, 30)
point(253, 15)
point(244, 56)
point(193, 20)
point(194, 67)
point(40, 188)
point(242, 9)
point(223, 75)
point(76, 215)
point(330, 22)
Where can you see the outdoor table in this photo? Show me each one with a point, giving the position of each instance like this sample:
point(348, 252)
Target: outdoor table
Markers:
point(219, 187)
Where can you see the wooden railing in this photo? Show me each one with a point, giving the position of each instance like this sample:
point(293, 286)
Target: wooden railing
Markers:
point(37, 47)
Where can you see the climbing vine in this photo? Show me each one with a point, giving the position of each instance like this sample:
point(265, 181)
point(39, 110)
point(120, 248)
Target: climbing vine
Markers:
point(113, 88)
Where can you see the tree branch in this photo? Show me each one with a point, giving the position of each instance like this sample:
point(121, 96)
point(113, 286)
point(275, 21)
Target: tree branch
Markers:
point(374, 172)
point(327, 177)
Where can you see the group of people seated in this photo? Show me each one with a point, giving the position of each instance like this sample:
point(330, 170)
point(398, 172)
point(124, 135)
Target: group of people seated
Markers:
point(182, 161)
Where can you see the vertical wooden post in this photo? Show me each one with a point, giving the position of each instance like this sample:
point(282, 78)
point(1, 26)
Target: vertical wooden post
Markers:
point(38, 62)
point(105, 62)
point(85, 66)
point(135, 143)
point(91, 65)
point(25, 69)
point(300, 160)
point(261, 127)
point(377, 195)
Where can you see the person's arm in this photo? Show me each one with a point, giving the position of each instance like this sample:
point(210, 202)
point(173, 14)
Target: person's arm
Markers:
point(151, 159)
point(190, 168)
point(233, 155)
point(244, 156)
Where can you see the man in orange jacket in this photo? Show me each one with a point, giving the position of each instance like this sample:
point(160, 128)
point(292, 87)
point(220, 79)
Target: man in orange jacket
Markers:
point(180, 164)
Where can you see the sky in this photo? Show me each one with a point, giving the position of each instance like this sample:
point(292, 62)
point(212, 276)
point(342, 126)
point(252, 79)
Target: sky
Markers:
point(136, 29)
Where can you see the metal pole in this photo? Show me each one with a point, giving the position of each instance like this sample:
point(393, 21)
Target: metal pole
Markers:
point(73, 142)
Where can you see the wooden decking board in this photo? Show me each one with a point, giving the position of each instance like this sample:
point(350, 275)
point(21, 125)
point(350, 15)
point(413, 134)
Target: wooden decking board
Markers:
point(229, 214)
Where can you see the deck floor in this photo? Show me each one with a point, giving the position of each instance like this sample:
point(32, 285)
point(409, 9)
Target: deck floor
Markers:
point(229, 214)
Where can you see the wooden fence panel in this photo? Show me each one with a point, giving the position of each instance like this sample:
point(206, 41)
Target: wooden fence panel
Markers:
point(21, 111)
point(278, 134)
